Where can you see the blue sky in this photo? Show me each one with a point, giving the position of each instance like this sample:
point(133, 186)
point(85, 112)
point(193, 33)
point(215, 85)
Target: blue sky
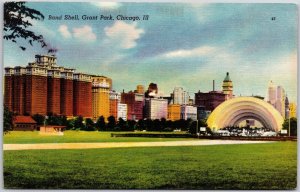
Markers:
point(187, 45)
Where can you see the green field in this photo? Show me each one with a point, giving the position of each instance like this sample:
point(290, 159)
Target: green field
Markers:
point(247, 166)
point(77, 137)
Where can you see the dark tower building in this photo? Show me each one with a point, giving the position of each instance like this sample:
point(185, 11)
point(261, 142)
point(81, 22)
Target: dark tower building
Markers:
point(8, 87)
point(66, 92)
point(82, 100)
point(36, 90)
point(209, 100)
point(135, 104)
point(43, 87)
point(53, 105)
point(19, 87)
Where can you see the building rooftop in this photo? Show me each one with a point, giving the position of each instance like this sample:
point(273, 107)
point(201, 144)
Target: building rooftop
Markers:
point(23, 119)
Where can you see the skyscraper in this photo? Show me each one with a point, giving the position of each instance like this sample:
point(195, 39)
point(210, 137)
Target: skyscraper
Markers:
point(180, 96)
point(19, 85)
point(43, 87)
point(276, 97)
point(152, 90)
point(36, 88)
point(209, 100)
point(122, 111)
point(135, 103)
point(188, 112)
point(280, 101)
point(82, 99)
point(173, 112)
point(114, 100)
point(271, 98)
point(8, 87)
point(227, 87)
point(101, 93)
point(53, 94)
point(140, 89)
point(66, 92)
point(156, 108)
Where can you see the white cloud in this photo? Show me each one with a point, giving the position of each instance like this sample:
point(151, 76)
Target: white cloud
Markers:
point(84, 33)
point(199, 51)
point(64, 31)
point(40, 28)
point(124, 34)
point(106, 5)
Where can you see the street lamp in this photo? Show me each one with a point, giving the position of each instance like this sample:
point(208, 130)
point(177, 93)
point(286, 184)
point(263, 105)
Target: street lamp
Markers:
point(289, 121)
point(198, 133)
point(289, 126)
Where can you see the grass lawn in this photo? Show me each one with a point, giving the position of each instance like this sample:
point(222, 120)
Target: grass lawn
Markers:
point(247, 166)
point(76, 137)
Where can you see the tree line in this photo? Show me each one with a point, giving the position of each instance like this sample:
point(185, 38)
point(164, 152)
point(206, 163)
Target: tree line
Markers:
point(113, 124)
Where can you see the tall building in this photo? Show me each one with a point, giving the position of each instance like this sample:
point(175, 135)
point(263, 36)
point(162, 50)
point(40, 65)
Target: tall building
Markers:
point(293, 110)
point(180, 96)
point(202, 113)
point(53, 94)
point(66, 92)
point(156, 108)
point(276, 97)
point(122, 111)
point(140, 89)
point(227, 87)
point(280, 101)
point(173, 112)
point(209, 100)
point(271, 98)
point(82, 99)
point(114, 100)
point(43, 87)
point(135, 104)
point(188, 112)
point(19, 85)
point(8, 87)
point(101, 94)
point(36, 88)
point(152, 90)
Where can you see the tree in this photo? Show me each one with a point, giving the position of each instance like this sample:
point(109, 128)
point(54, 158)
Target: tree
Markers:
point(156, 125)
point(39, 119)
point(89, 125)
point(140, 125)
point(78, 123)
point(55, 120)
point(111, 123)
point(293, 125)
point(131, 125)
point(7, 120)
point(193, 127)
point(163, 123)
point(121, 125)
point(70, 124)
point(149, 124)
point(100, 124)
point(16, 23)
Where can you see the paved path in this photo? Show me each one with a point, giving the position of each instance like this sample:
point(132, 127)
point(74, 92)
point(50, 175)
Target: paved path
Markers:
point(123, 144)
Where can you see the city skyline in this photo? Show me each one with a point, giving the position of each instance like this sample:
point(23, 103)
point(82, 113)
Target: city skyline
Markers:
point(241, 39)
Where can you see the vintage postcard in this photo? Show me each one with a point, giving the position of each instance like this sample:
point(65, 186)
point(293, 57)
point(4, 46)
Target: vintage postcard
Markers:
point(124, 95)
